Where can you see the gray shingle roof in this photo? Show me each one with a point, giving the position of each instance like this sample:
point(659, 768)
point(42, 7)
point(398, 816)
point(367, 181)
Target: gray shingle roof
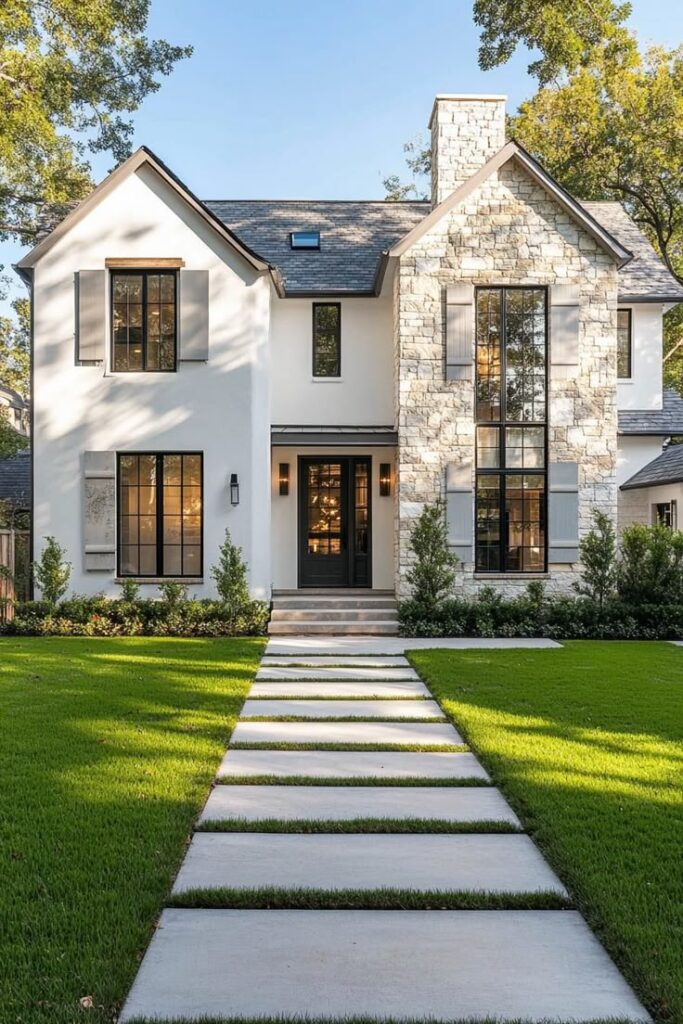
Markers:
point(645, 276)
point(15, 480)
point(665, 421)
point(667, 468)
point(353, 236)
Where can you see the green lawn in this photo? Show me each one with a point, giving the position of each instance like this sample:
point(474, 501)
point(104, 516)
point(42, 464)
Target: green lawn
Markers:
point(585, 742)
point(107, 751)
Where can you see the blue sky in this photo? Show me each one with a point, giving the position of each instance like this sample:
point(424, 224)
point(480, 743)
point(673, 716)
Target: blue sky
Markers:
point(315, 98)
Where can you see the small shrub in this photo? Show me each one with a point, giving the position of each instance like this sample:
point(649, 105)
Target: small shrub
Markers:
point(173, 592)
point(651, 565)
point(598, 552)
point(52, 573)
point(230, 575)
point(433, 572)
point(130, 591)
point(535, 594)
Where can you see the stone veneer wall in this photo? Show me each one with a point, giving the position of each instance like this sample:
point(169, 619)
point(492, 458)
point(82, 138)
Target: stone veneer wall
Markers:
point(508, 231)
point(465, 133)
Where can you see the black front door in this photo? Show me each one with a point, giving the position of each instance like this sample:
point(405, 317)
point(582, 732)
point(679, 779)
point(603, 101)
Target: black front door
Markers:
point(334, 521)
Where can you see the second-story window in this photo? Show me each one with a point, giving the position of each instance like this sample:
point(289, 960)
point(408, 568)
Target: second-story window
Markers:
point(143, 320)
point(326, 339)
point(624, 344)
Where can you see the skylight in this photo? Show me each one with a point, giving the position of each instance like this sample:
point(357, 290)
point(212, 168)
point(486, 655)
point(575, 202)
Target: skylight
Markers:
point(304, 239)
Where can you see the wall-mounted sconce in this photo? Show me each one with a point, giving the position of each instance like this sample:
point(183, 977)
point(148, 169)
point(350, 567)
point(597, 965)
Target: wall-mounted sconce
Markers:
point(283, 478)
point(234, 489)
point(384, 479)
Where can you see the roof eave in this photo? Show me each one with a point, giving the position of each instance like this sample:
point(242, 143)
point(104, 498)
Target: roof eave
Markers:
point(657, 297)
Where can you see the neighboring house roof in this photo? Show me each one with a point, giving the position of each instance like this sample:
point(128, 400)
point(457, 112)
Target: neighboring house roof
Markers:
point(353, 237)
point(15, 480)
point(645, 277)
point(10, 397)
point(664, 422)
point(139, 157)
point(667, 468)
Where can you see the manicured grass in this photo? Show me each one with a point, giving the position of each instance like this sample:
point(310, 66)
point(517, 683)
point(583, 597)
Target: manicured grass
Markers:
point(585, 743)
point(107, 752)
point(274, 898)
point(395, 825)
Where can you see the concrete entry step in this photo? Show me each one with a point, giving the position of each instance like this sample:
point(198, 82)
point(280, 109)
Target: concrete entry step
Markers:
point(334, 628)
point(351, 733)
point(280, 672)
point(443, 965)
point(339, 688)
point(344, 803)
point(345, 764)
point(427, 709)
point(345, 660)
point(377, 613)
point(444, 863)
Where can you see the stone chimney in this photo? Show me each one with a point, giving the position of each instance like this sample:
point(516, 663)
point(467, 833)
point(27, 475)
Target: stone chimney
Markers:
point(466, 132)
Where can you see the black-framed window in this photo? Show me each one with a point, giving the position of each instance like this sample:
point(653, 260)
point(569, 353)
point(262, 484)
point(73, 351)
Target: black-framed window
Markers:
point(160, 513)
point(624, 344)
point(511, 435)
point(326, 339)
point(665, 513)
point(144, 320)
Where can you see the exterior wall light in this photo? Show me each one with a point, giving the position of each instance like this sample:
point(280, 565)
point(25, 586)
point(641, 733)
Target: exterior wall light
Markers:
point(283, 478)
point(234, 489)
point(384, 479)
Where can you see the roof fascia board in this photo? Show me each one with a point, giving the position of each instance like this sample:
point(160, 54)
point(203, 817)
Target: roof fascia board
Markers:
point(512, 150)
point(128, 167)
point(637, 299)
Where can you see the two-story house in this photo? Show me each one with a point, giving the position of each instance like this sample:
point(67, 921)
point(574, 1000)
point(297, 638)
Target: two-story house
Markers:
point(310, 374)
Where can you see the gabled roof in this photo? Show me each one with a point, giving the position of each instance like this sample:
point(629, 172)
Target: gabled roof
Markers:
point(667, 468)
point(129, 166)
point(15, 480)
point(658, 422)
point(353, 237)
point(513, 151)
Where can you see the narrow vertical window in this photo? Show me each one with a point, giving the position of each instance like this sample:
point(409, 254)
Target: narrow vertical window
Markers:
point(624, 344)
point(143, 320)
point(326, 339)
point(511, 412)
point(160, 514)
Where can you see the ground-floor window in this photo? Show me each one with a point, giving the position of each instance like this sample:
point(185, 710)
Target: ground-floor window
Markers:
point(665, 514)
point(510, 518)
point(160, 507)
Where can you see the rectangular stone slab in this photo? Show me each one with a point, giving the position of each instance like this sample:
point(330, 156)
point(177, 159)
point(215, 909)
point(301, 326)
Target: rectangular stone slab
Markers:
point(446, 863)
point(313, 660)
point(342, 709)
point(442, 965)
point(353, 646)
point(343, 803)
point(283, 672)
point(340, 688)
point(428, 733)
point(350, 764)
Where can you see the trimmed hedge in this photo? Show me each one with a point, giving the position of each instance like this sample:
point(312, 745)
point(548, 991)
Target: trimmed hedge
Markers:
point(102, 616)
point(556, 618)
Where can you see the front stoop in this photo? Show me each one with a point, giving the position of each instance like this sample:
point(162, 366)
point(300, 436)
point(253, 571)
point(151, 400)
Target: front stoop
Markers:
point(334, 612)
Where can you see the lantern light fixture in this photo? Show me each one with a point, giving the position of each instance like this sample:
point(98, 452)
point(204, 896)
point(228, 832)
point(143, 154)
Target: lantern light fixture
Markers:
point(385, 479)
point(234, 489)
point(283, 478)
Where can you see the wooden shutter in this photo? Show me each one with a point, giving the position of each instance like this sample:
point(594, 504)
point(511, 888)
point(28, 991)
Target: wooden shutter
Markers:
point(92, 315)
point(564, 325)
point(460, 509)
point(194, 315)
point(563, 512)
point(459, 331)
point(99, 509)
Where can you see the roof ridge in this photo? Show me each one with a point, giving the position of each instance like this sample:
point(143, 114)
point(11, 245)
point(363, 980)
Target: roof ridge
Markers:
point(356, 202)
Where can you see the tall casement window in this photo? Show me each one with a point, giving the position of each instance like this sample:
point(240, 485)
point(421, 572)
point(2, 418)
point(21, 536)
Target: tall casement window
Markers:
point(326, 339)
point(160, 514)
point(511, 415)
point(144, 322)
point(624, 344)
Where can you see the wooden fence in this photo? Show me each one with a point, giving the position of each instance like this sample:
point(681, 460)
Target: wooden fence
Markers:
point(14, 557)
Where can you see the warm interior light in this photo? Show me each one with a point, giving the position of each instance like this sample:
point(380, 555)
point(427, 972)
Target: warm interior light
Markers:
point(385, 479)
point(284, 479)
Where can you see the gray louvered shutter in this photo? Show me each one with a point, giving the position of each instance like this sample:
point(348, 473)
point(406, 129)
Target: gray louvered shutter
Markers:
point(194, 315)
point(460, 509)
point(564, 325)
point(92, 315)
point(459, 331)
point(99, 511)
point(563, 512)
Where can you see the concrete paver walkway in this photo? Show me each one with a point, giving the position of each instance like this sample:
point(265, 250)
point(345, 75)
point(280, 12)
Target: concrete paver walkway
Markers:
point(447, 965)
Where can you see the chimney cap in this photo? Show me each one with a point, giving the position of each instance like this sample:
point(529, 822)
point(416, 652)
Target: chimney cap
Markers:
point(464, 97)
